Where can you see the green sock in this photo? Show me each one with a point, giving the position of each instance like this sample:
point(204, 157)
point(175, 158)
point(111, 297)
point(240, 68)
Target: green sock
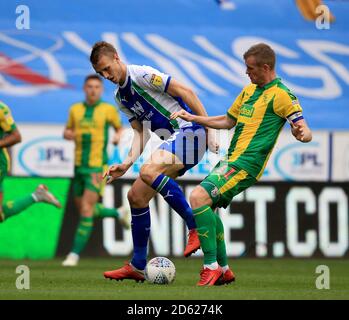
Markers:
point(11, 208)
point(221, 250)
point(82, 234)
point(102, 212)
point(206, 227)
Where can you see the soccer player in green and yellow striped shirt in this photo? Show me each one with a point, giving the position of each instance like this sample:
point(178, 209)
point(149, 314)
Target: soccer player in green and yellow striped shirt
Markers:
point(258, 114)
point(88, 125)
point(9, 136)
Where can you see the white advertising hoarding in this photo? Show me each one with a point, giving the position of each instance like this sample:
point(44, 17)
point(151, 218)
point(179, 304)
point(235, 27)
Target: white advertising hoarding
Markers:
point(340, 156)
point(44, 152)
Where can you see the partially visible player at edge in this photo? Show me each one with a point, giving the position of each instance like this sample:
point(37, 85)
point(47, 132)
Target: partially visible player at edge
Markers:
point(9, 136)
point(259, 113)
point(148, 97)
point(87, 126)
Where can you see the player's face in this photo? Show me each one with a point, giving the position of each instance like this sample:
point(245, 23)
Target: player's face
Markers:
point(109, 68)
point(256, 73)
point(93, 90)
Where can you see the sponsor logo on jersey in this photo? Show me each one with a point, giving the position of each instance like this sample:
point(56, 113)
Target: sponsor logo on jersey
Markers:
point(156, 80)
point(247, 110)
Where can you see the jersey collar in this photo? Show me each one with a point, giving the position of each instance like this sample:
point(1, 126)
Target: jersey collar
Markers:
point(126, 79)
point(92, 105)
point(270, 84)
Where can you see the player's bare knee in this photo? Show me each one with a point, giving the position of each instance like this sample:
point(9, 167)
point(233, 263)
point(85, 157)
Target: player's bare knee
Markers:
point(148, 173)
point(86, 210)
point(135, 199)
point(199, 198)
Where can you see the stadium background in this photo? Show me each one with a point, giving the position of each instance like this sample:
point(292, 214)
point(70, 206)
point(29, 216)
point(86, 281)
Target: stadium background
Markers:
point(300, 209)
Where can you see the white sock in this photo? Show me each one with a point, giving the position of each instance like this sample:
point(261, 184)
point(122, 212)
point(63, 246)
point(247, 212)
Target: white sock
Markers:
point(212, 266)
point(225, 268)
point(74, 255)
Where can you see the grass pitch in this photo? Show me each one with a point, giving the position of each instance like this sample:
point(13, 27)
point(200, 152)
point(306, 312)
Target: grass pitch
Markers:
point(256, 279)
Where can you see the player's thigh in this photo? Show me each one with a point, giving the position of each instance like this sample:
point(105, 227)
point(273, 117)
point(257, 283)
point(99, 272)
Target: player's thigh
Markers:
point(162, 161)
point(225, 182)
point(140, 194)
point(199, 197)
point(88, 201)
point(78, 185)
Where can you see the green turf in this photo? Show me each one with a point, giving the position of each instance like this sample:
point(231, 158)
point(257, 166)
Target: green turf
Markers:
point(256, 279)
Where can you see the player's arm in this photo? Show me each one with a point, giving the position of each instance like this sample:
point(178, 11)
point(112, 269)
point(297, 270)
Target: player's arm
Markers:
point(216, 122)
point(177, 89)
point(140, 139)
point(115, 121)
point(68, 132)
point(11, 138)
point(287, 106)
point(299, 127)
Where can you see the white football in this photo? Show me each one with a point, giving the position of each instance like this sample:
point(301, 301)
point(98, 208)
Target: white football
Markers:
point(160, 270)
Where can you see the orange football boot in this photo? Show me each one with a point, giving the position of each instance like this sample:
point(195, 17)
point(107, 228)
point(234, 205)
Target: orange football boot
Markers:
point(126, 272)
point(209, 277)
point(193, 243)
point(227, 277)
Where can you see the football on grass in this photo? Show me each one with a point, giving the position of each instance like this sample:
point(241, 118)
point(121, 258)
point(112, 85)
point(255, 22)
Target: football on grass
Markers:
point(160, 270)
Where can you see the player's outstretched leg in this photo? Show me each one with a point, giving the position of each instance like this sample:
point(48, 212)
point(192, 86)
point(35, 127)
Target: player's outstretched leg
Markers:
point(174, 196)
point(157, 174)
point(85, 227)
point(139, 197)
point(82, 235)
point(140, 235)
point(206, 226)
point(122, 213)
point(228, 275)
point(41, 194)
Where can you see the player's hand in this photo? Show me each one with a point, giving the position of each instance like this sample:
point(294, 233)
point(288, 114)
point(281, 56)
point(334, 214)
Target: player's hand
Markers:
point(297, 131)
point(69, 134)
point(116, 138)
point(183, 115)
point(212, 142)
point(115, 171)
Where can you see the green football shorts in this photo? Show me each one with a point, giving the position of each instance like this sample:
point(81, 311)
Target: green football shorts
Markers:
point(3, 174)
point(224, 182)
point(88, 178)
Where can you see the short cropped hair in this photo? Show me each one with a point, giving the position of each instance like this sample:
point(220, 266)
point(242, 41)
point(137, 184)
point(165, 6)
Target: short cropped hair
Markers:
point(99, 49)
point(93, 76)
point(263, 53)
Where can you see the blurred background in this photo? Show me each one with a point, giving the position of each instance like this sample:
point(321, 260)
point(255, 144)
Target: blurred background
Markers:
point(300, 207)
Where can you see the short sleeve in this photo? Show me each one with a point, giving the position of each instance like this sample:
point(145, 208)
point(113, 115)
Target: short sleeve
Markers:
point(7, 122)
point(233, 111)
point(113, 117)
point(152, 79)
point(285, 104)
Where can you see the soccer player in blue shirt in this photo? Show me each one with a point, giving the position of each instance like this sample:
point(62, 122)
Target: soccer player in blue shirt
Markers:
point(148, 98)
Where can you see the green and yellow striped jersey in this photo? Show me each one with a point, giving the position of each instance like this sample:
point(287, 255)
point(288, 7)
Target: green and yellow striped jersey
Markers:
point(260, 113)
point(90, 124)
point(7, 125)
